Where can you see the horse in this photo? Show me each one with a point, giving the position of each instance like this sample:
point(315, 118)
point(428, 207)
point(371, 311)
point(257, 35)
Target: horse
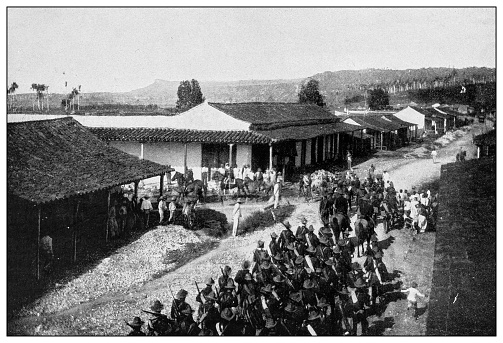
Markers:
point(363, 232)
point(196, 187)
point(341, 222)
point(240, 184)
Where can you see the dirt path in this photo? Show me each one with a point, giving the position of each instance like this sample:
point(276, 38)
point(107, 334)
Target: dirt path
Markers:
point(411, 258)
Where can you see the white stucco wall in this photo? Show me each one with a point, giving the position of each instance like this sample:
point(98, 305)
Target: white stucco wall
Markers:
point(412, 116)
point(243, 154)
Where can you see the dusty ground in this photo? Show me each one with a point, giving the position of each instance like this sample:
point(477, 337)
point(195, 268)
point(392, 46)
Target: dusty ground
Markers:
point(409, 257)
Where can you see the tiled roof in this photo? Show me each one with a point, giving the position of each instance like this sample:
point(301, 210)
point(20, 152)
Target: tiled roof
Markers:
point(308, 131)
point(488, 138)
point(54, 159)
point(399, 121)
point(264, 115)
point(179, 135)
point(377, 123)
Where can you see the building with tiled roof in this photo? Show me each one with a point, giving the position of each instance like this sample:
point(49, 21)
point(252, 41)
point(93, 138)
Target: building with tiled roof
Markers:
point(211, 134)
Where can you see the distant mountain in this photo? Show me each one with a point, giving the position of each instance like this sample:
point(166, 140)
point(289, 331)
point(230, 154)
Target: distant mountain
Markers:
point(339, 87)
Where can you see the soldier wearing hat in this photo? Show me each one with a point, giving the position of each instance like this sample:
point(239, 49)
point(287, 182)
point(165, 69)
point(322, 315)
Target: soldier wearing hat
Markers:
point(172, 209)
point(302, 229)
point(206, 295)
point(274, 246)
point(158, 324)
point(245, 269)
point(286, 236)
point(228, 297)
point(311, 238)
point(259, 255)
point(226, 275)
point(228, 325)
point(179, 304)
point(136, 325)
point(247, 293)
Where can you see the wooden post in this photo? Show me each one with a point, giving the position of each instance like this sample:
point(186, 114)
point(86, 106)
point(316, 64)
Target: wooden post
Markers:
point(381, 139)
point(141, 151)
point(353, 141)
point(108, 215)
point(230, 155)
point(38, 241)
point(270, 156)
point(161, 186)
point(185, 159)
point(337, 152)
point(478, 152)
point(136, 188)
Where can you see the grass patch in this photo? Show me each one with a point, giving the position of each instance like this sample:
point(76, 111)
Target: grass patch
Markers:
point(213, 223)
point(184, 255)
point(258, 220)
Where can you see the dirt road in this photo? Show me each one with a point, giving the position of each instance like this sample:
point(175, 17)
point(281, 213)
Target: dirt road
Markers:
point(409, 257)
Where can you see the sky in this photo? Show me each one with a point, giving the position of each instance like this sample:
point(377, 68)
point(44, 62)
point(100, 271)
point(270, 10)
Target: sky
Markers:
point(121, 49)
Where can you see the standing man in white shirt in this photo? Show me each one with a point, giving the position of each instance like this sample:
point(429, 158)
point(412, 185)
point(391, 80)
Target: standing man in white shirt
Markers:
point(236, 214)
point(277, 190)
point(146, 207)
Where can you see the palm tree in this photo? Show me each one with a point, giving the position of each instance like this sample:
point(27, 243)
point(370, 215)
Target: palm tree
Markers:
point(40, 89)
point(11, 91)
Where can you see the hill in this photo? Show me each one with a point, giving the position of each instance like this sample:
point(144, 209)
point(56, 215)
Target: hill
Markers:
point(340, 88)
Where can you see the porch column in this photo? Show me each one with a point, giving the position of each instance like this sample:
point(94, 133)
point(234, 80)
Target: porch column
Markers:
point(185, 159)
point(270, 156)
point(337, 151)
point(361, 140)
point(141, 151)
point(353, 141)
point(478, 152)
point(445, 125)
point(230, 154)
point(136, 188)
point(161, 186)
point(75, 232)
point(381, 139)
point(38, 241)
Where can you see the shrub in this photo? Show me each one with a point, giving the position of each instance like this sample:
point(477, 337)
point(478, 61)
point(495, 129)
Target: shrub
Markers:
point(212, 222)
point(258, 220)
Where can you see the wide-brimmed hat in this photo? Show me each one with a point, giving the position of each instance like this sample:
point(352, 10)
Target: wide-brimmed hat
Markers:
point(296, 296)
point(239, 201)
point(230, 284)
point(290, 246)
point(303, 220)
point(278, 278)
point(260, 243)
point(308, 284)
point(265, 264)
point(313, 315)
point(209, 281)
point(336, 249)
point(311, 249)
point(290, 271)
point(270, 323)
point(326, 231)
point(248, 277)
point(278, 256)
point(289, 307)
point(324, 241)
point(318, 270)
point(343, 291)
point(157, 306)
point(227, 314)
point(341, 242)
point(329, 262)
point(308, 270)
point(299, 260)
point(311, 228)
point(136, 322)
point(286, 224)
point(266, 289)
point(181, 294)
point(322, 302)
point(356, 266)
point(360, 283)
point(274, 235)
